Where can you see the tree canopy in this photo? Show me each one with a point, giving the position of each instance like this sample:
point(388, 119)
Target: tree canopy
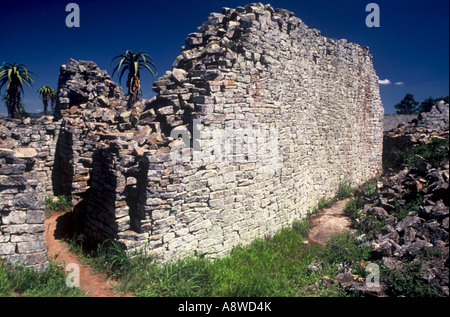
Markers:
point(134, 63)
point(14, 76)
point(408, 105)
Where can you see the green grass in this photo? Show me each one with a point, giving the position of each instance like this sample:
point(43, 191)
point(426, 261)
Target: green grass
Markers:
point(432, 152)
point(62, 203)
point(345, 247)
point(406, 281)
point(268, 267)
point(326, 203)
point(27, 282)
point(345, 190)
point(354, 207)
point(412, 205)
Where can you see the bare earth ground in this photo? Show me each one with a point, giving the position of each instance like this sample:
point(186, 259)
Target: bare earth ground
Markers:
point(92, 283)
point(328, 222)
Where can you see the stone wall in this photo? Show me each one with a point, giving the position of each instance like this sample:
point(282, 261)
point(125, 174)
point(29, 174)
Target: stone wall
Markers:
point(391, 121)
point(438, 115)
point(82, 87)
point(284, 115)
point(27, 149)
point(259, 118)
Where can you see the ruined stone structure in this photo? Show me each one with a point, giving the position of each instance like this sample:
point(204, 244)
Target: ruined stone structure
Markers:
point(27, 149)
point(437, 116)
point(258, 119)
point(391, 121)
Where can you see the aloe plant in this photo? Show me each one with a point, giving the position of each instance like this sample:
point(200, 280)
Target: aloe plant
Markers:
point(47, 93)
point(133, 63)
point(14, 76)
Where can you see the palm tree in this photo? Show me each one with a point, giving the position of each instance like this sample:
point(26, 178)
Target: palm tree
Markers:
point(46, 92)
point(133, 63)
point(22, 111)
point(14, 75)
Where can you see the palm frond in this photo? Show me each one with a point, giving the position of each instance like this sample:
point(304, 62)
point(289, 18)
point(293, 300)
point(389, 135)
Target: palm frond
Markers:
point(125, 68)
point(133, 63)
point(150, 70)
point(46, 90)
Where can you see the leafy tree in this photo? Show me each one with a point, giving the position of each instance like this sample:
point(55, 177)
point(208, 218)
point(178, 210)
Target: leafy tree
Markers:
point(428, 103)
point(14, 76)
point(133, 63)
point(47, 93)
point(446, 99)
point(407, 105)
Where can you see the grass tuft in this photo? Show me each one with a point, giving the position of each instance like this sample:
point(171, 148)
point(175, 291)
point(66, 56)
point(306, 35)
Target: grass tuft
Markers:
point(345, 190)
point(25, 281)
point(61, 203)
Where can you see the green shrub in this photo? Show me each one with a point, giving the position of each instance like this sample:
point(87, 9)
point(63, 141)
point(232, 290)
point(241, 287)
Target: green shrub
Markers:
point(344, 247)
point(326, 203)
point(62, 203)
point(370, 186)
point(405, 280)
point(434, 151)
point(354, 207)
point(345, 190)
point(412, 205)
point(302, 227)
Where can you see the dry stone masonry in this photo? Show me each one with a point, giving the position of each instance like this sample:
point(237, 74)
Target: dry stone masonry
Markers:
point(27, 149)
point(258, 119)
point(437, 116)
point(250, 69)
point(391, 121)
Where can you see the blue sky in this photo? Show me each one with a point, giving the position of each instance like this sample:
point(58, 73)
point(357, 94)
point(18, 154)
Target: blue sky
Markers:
point(410, 48)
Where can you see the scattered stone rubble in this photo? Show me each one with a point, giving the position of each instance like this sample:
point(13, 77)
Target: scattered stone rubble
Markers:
point(400, 239)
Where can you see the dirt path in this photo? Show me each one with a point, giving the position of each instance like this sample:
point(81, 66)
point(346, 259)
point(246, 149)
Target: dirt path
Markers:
point(324, 224)
point(328, 222)
point(93, 284)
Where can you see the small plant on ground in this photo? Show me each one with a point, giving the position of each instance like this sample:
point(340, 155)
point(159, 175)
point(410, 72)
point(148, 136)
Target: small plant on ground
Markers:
point(411, 206)
point(345, 190)
point(370, 186)
point(61, 203)
point(326, 203)
point(344, 247)
point(405, 280)
point(354, 207)
point(434, 151)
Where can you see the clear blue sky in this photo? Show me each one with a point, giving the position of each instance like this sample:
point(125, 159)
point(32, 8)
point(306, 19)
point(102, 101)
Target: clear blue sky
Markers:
point(410, 48)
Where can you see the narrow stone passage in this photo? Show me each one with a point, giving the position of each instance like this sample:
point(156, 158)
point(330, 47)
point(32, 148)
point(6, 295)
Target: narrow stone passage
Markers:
point(92, 283)
point(328, 222)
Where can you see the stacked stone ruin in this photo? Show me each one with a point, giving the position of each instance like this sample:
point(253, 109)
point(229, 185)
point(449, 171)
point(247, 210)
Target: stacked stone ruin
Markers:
point(27, 149)
point(438, 116)
point(258, 119)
